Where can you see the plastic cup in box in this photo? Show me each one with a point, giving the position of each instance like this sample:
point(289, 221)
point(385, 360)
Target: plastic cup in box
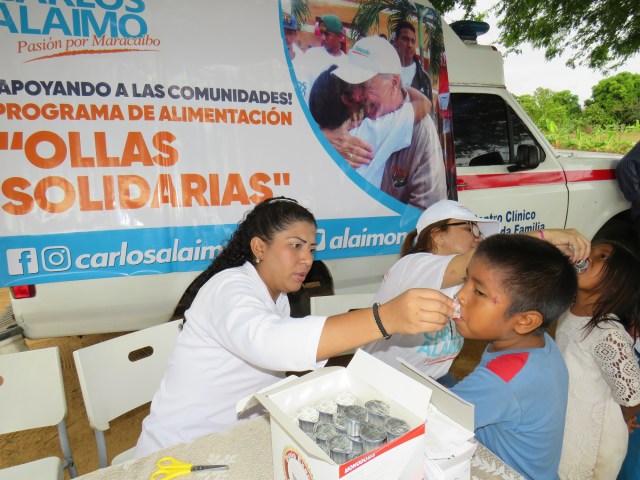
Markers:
point(395, 427)
point(340, 448)
point(378, 411)
point(326, 408)
point(324, 431)
point(355, 416)
point(307, 419)
point(356, 445)
point(340, 422)
point(372, 436)
point(344, 399)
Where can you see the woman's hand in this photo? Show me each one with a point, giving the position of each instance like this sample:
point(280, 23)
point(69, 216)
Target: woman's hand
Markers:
point(630, 415)
point(417, 310)
point(570, 242)
point(632, 424)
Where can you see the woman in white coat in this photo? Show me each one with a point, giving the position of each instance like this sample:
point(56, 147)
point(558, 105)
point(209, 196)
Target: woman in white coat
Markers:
point(239, 336)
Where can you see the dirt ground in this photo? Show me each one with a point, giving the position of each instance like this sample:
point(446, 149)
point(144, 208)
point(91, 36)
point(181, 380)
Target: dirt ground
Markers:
point(30, 445)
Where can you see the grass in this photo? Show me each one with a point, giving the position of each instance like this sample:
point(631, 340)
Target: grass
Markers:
point(612, 138)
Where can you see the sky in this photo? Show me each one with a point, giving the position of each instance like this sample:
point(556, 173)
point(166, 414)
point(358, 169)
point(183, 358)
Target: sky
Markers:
point(529, 70)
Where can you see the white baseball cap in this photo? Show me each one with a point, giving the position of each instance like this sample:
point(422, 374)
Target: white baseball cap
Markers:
point(368, 57)
point(446, 209)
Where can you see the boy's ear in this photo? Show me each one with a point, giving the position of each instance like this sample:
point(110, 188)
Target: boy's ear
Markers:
point(527, 322)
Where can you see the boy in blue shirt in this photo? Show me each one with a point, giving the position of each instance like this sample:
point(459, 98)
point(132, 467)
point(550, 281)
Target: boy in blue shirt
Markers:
point(516, 286)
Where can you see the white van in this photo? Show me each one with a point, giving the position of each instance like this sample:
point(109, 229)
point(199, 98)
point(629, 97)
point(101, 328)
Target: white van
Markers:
point(135, 134)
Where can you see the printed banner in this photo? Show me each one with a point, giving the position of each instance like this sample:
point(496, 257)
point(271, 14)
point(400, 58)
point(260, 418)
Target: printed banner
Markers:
point(134, 135)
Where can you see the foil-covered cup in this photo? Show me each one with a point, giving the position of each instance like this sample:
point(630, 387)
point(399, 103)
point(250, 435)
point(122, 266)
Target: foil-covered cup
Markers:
point(326, 408)
point(344, 399)
point(323, 431)
point(395, 427)
point(307, 419)
point(354, 416)
point(340, 422)
point(356, 445)
point(372, 436)
point(340, 448)
point(378, 411)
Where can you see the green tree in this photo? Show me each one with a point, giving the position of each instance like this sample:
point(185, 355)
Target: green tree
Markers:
point(594, 114)
point(367, 20)
point(600, 34)
point(300, 10)
point(544, 106)
point(531, 106)
point(615, 100)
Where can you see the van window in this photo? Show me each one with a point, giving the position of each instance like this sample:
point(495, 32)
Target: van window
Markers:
point(487, 131)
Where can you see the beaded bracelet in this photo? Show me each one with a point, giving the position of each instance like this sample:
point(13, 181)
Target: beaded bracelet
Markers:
point(376, 315)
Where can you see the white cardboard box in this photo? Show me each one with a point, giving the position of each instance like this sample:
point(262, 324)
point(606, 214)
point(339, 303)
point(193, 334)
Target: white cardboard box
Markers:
point(298, 457)
point(456, 464)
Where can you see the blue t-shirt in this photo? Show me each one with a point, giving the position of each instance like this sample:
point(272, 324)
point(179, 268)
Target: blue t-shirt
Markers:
point(520, 399)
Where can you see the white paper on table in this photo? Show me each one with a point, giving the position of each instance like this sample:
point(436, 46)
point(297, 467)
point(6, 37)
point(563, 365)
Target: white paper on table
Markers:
point(444, 438)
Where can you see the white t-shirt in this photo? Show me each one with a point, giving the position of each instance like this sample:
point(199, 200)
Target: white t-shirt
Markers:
point(317, 60)
point(431, 353)
point(386, 134)
point(235, 341)
point(302, 74)
point(407, 74)
point(297, 51)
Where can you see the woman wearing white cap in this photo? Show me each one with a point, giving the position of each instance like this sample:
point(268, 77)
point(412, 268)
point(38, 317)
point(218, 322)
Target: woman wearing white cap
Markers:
point(436, 255)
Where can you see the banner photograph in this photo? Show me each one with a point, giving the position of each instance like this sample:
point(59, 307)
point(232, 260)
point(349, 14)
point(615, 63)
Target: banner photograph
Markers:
point(134, 134)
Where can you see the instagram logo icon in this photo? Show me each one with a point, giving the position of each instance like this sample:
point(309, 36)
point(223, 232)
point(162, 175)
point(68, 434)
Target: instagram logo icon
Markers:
point(56, 259)
point(21, 260)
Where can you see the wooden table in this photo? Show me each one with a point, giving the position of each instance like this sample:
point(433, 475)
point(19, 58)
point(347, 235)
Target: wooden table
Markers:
point(246, 448)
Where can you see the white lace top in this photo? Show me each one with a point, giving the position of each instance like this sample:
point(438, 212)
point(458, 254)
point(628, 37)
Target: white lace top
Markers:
point(603, 374)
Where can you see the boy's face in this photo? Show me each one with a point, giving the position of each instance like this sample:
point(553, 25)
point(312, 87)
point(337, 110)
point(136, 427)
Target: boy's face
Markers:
point(483, 306)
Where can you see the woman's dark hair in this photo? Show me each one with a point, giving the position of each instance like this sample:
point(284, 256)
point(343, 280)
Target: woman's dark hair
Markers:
point(264, 221)
point(618, 289)
point(424, 242)
point(325, 100)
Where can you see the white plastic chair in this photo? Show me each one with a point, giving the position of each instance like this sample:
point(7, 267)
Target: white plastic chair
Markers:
point(121, 374)
point(340, 303)
point(32, 396)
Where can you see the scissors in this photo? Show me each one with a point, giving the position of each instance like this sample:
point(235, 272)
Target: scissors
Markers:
point(169, 467)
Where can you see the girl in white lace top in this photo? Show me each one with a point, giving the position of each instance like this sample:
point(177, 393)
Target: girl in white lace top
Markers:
point(603, 372)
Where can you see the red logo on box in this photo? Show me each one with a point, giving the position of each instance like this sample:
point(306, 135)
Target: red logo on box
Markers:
point(295, 468)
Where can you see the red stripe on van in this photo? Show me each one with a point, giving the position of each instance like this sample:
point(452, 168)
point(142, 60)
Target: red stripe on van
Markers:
point(502, 180)
point(590, 175)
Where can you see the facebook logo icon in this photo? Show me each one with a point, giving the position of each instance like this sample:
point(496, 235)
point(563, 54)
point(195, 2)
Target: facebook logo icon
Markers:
point(20, 260)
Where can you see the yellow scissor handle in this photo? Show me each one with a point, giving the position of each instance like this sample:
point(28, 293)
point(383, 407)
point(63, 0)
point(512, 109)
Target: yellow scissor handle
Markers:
point(169, 467)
